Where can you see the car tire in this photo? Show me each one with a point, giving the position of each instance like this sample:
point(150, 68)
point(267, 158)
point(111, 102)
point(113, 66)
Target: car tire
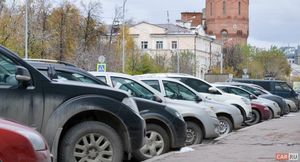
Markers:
point(83, 142)
point(157, 143)
point(194, 134)
point(256, 118)
point(225, 126)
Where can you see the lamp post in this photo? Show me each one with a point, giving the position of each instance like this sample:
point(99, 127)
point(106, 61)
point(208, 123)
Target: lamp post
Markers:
point(123, 38)
point(26, 29)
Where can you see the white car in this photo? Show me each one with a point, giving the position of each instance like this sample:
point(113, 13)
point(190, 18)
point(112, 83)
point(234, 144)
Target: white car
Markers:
point(273, 106)
point(201, 122)
point(209, 92)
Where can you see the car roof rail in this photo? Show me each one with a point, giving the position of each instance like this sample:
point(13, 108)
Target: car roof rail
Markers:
point(50, 61)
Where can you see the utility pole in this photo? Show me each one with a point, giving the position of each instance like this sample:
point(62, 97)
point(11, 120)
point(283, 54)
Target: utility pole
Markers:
point(123, 38)
point(26, 30)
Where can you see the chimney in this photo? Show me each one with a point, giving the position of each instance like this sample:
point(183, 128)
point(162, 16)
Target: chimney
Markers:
point(194, 17)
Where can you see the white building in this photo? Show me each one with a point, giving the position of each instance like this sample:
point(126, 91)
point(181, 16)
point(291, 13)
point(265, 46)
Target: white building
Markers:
point(165, 39)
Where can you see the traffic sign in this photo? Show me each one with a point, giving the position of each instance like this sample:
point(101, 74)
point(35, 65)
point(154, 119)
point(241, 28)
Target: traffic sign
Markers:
point(101, 67)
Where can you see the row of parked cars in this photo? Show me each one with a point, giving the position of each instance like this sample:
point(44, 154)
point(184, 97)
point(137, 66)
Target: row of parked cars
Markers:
point(112, 116)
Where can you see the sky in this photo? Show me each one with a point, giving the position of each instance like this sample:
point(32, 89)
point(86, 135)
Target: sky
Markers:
point(272, 22)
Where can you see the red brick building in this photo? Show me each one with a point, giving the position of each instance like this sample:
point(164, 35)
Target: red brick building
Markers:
point(228, 20)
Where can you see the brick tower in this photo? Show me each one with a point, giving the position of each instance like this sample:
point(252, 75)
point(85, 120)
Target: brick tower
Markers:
point(228, 20)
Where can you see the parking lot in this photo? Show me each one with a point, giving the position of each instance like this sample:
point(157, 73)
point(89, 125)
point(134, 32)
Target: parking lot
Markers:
point(262, 142)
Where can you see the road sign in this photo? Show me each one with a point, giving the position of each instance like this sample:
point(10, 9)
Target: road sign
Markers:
point(101, 59)
point(101, 67)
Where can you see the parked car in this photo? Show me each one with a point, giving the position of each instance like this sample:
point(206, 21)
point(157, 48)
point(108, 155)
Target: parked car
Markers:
point(201, 122)
point(273, 106)
point(166, 128)
point(82, 121)
point(260, 92)
point(276, 87)
point(210, 92)
point(19, 144)
point(259, 112)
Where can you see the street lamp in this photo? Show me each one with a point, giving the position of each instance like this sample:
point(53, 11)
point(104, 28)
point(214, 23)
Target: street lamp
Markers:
point(26, 29)
point(123, 38)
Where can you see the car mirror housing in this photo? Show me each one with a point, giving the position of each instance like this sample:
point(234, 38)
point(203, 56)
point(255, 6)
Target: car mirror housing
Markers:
point(252, 97)
point(157, 99)
point(198, 99)
point(257, 93)
point(22, 74)
point(213, 90)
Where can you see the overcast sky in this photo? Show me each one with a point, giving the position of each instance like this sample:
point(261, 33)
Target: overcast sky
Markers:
point(272, 22)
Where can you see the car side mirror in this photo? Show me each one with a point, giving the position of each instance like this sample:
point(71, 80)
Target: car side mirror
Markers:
point(257, 93)
point(22, 74)
point(252, 97)
point(213, 90)
point(198, 99)
point(157, 99)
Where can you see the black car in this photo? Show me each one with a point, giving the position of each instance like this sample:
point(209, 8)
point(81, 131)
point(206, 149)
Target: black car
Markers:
point(276, 87)
point(164, 122)
point(258, 92)
point(80, 122)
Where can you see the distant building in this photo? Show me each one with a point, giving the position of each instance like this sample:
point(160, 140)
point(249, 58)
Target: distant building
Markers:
point(228, 20)
point(291, 54)
point(185, 36)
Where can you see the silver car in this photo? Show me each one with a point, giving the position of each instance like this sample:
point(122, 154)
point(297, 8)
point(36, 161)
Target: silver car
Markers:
point(229, 116)
point(202, 123)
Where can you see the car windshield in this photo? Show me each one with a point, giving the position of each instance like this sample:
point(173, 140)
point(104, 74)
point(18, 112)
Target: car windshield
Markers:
point(196, 84)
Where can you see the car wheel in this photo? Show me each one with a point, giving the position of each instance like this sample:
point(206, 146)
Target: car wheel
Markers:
point(255, 118)
point(157, 143)
point(91, 141)
point(225, 125)
point(194, 134)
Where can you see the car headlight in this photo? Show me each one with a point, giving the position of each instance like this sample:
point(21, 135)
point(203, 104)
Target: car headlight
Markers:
point(174, 112)
point(35, 139)
point(246, 101)
point(129, 101)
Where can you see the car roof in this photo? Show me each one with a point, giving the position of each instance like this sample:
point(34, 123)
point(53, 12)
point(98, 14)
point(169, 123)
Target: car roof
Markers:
point(109, 73)
point(257, 80)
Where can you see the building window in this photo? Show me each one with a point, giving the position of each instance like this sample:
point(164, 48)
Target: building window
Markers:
point(224, 7)
point(174, 44)
point(240, 33)
point(239, 8)
point(159, 45)
point(144, 45)
point(211, 8)
point(224, 34)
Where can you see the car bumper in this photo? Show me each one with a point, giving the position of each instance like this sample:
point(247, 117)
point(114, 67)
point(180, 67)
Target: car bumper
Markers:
point(237, 121)
point(294, 106)
point(43, 156)
point(265, 114)
point(211, 126)
point(179, 133)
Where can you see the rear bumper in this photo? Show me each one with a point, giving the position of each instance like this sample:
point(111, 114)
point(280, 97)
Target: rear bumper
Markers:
point(211, 127)
point(179, 133)
point(43, 156)
point(237, 121)
point(265, 114)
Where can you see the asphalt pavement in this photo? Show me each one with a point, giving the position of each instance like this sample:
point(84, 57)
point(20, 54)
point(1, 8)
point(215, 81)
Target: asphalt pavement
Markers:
point(273, 140)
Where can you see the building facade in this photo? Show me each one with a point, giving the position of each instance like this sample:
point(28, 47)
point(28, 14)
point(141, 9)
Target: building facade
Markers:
point(170, 39)
point(228, 20)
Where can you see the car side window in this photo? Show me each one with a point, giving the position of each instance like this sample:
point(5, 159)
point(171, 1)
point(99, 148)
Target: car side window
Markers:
point(176, 91)
point(102, 78)
point(197, 85)
point(239, 92)
point(224, 89)
point(153, 83)
point(62, 75)
point(132, 87)
point(7, 72)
